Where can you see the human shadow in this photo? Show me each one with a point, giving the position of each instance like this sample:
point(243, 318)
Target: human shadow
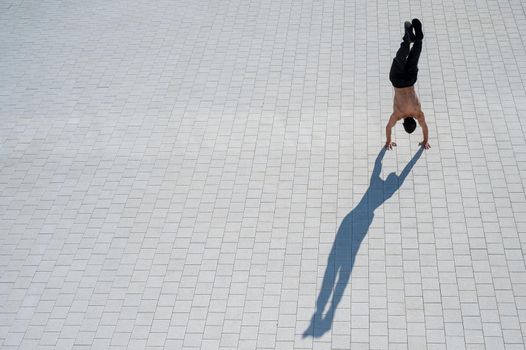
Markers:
point(350, 234)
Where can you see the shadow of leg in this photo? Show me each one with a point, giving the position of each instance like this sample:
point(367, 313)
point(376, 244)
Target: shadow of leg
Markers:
point(317, 325)
point(343, 280)
point(320, 324)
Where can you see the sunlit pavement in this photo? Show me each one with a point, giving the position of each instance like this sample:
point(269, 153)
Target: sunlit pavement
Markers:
point(176, 175)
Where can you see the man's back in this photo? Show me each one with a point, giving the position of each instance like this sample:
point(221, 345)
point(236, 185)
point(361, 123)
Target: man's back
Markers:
point(405, 102)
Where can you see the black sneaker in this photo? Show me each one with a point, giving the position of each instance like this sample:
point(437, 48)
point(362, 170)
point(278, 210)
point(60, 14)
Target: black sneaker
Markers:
point(418, 29)
point(408, 36)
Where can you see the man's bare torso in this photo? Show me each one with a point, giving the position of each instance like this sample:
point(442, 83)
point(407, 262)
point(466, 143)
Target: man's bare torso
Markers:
point(406, 103)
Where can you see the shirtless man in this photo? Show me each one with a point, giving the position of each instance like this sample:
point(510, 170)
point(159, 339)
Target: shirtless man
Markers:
point(403, 75)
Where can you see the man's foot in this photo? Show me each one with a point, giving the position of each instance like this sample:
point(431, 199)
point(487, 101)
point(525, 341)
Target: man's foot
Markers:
point(408, 36)
point(419, 35)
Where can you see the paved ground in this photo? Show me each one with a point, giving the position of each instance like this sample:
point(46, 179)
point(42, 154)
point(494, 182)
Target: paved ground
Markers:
point(202, 175)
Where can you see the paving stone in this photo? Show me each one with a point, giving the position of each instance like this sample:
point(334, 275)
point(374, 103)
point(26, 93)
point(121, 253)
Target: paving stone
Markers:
point(183, 175)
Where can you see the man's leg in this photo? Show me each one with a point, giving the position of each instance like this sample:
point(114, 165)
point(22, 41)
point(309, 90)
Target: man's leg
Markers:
point(402, 53)
point(397, 72)
point(412, 59)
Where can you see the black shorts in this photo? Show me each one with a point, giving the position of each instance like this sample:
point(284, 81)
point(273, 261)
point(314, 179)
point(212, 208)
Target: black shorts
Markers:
point(402, 77)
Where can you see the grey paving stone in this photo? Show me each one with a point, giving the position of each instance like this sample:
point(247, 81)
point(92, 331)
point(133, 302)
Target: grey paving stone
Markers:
point(174, 175)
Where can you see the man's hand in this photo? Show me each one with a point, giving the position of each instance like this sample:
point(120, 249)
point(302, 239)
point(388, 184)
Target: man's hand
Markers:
point(425, 144)
point(390, 145)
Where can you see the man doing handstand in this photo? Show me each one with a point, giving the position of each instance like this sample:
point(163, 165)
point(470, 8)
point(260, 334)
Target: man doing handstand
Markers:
point(403, 76)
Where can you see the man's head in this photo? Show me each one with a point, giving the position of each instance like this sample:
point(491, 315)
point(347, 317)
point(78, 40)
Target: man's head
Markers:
point(409, 124)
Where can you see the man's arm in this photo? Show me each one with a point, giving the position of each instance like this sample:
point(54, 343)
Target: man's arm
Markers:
point(392, 121)
point(422, 122)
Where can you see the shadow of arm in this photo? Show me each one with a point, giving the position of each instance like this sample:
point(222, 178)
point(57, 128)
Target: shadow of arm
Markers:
point(378, 165)
point(410, 165)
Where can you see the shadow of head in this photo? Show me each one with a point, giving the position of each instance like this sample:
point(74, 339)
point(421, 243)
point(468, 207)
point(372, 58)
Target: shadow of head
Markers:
point(392, 179)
